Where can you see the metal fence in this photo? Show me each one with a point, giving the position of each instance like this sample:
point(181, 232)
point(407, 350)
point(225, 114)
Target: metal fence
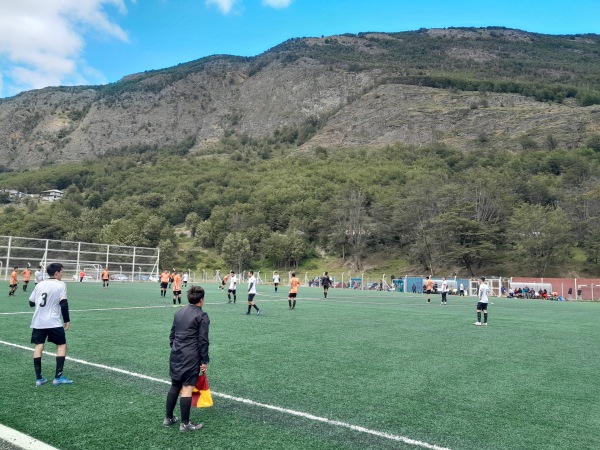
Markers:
point(124, 262)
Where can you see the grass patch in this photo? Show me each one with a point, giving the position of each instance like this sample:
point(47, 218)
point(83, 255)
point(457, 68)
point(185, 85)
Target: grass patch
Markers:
point(380, 360)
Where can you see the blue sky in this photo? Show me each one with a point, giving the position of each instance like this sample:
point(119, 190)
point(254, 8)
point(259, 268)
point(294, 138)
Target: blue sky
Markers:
point(73, 42)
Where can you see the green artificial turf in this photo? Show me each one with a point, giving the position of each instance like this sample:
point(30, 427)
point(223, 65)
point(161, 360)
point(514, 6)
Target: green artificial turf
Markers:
point(379, 360)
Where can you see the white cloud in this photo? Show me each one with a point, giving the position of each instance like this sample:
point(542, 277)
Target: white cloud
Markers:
point(225, 6)
point(278, 4)
point(41, 42)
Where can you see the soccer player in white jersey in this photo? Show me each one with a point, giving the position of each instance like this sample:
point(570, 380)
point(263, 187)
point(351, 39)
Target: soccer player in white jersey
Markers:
point(482, 303)
point(444, 291)
point(39, 275)
point(50, 321)
point(232, 287)
point(252, 293)
point(276, 280)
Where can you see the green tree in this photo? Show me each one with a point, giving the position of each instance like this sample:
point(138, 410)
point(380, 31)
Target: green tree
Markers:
point(191, 222)
point(236, 250)
point(541, 236)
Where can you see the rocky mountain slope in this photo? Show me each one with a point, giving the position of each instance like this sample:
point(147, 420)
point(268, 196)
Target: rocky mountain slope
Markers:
point(462, 87)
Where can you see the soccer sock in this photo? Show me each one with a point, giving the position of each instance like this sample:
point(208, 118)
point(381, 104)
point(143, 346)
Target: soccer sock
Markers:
point(174, 300)
point(60, 363)
point(294, 305)
point(249, 308)
point(289, 302)
point(179, 300)
point(255, 307)
point(172, 397)
point(185, 404)
point(478, 316)
point(275, 288)
point(229, 297)
point(37, 365)
point(484, 317)
point(325, 293)
point(234, 298)
point(24, 287)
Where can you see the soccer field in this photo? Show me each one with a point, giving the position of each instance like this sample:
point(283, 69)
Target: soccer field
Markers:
point(360, 370)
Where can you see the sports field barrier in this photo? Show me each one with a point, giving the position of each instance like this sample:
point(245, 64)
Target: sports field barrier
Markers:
point(134, 263)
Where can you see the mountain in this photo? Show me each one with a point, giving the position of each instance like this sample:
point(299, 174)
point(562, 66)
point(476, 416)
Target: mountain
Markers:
point(464, 87)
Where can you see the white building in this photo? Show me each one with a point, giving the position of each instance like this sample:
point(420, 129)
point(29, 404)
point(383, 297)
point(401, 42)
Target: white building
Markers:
point(51, 195)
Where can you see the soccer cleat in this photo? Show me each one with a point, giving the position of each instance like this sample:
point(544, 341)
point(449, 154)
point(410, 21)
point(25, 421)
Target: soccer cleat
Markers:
point(168, 422)
point(61, 380)
point(247, 313)
point(484, 324)
point(190, 426)
point(258, 312)
point(40, 382)
point(477, 323)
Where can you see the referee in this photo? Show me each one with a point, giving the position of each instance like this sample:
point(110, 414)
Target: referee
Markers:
point(189, 357)
point(50, 321)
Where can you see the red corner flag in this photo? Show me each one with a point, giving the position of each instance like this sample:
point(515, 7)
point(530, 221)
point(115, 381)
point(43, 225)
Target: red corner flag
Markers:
point(201, 397)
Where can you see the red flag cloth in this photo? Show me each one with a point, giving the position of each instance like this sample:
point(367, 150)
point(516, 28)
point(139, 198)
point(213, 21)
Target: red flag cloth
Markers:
point(201, 397)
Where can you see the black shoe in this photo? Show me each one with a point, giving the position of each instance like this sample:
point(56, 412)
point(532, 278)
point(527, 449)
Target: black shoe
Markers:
point(168, 422)
point(190, 426)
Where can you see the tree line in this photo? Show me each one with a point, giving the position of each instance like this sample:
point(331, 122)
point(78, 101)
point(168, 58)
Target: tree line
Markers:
point(486, 211)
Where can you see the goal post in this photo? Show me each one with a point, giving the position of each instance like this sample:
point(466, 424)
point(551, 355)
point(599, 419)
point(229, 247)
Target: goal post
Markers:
point(134, 263)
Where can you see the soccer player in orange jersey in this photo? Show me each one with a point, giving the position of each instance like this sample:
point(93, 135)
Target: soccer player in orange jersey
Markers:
point(294, 283)
point(164, 282)
point(26, 277)
point(176, 287)
point(428, 288)
point(105, 277)
point(14, 281)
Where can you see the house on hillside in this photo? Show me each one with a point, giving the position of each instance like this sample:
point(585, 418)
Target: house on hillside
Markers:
point(51, 195)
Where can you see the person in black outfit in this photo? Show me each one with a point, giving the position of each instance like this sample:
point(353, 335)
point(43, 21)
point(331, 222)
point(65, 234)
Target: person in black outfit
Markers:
point(326, 283)
point(189, 357)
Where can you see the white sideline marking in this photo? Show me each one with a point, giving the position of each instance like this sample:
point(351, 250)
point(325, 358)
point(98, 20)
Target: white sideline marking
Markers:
point(21, 440)
point(122, 308)
point(292, 412)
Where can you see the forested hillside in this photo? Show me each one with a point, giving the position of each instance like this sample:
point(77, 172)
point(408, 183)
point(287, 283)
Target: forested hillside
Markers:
point(463, 150)
point(434, 208)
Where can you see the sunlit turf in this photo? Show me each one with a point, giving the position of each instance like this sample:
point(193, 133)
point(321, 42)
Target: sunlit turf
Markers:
point(384, 361)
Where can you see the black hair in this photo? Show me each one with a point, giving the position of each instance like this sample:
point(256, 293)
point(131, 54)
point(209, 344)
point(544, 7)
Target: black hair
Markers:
point(195, 294)
point(54, 268)
point(293, 274)
point(482, 278)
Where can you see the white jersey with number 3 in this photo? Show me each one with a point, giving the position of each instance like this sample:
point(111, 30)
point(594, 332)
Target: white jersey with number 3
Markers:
point(47, 296)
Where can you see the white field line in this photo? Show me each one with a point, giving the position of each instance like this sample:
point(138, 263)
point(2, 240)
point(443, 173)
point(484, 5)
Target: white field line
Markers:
point(21, 440)
point(121, 308)
point(292, 412)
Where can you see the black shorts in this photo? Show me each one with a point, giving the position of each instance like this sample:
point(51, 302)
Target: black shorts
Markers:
point(105, 280)
point(482, 306)
point(325, 286)
point(231, 291)
point(276, 284)
point(163, 285)
point(293, 294)
point(25, 281)
point(428, 291)
point(176, 292)
point(251, 297)
point(189, 379)
point(54, 335)
point(12, 285)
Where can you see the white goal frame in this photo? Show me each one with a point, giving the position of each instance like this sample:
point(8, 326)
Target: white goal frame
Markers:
point(131, 261)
